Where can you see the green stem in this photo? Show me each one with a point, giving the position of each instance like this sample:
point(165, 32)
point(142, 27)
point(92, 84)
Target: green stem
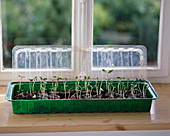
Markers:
point(90, 93)
point(143, 90)
point(128, 84)
point(65, 90)
point(118, 87)
point(65, 94)
point(87, 92)
point(69, 94)
point(132, 91)
point(100, 96)
point(123, 95)
point(20, 86)
point(139, 87)
point(30, 87)
point(100, 90)
point(77, 95)
point(97, 89)
point(113, 92)
point(33, 86)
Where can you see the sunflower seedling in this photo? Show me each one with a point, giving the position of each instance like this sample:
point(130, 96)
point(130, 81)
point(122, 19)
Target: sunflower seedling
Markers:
point(35, 80)
point(56, 83)
point(133, 90)
point(86, 84)
point(31, 85)
point(119, 85)
point(20, 82)
point(65, 86)
point(97, 86)
point(43, 86)
point(112, 92)
point(77, 86)
point(91, 89)
point(144, 88)
point(107, 74)
point(138, 84)
point(100, 90)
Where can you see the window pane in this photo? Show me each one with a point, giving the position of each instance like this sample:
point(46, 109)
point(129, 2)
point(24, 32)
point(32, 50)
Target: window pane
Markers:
point(128, 22)
point(34, 22)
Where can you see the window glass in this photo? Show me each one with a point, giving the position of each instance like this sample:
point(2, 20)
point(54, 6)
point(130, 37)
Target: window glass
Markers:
point(34, 22)
point(128, 22)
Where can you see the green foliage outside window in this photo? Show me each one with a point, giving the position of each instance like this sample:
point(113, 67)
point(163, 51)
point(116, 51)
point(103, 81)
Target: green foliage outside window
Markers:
point(48, 22)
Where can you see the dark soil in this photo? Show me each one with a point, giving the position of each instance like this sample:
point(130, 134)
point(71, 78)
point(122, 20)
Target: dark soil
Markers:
point(80, 94)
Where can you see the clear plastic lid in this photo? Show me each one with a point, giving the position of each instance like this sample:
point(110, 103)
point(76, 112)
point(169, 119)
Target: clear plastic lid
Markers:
point(47, 61)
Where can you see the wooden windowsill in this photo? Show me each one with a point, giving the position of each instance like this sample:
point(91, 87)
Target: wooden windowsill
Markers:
point(157, 119)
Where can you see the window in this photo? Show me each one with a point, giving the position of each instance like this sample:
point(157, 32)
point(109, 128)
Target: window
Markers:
point(81, 37)
point(30, 22)
point(128, 22)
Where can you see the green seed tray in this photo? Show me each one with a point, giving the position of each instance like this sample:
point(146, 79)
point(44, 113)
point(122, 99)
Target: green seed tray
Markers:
point(77, 105)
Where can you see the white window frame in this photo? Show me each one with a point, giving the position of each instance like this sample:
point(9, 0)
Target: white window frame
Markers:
point(82, 40)
point(160, 74)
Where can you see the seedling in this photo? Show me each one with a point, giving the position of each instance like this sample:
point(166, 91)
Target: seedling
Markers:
point(107, 74)
point(69, 92)
point(100, 90)
point(91, 89)
point(81, 88)
point(97, 86)
point(112, 92)
point(109, 84)
point(57, 80)
point(43, 92)
point(128, 83)
point(123, 88)
point(144, 87)
point(20, 82)
point(41, 79)
point(119, 86)
point(86, 81)
point(77, 86)
point(43, 85)
point(138, 84)
point(35, 80)
point(44, 82)
point(43, 89)
point(124, 92)
point(86, 84)
point(65, 85)
point(56, 83)
point(133, 90)
point(100, 93)
point(31, 86)
point(53, 93)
